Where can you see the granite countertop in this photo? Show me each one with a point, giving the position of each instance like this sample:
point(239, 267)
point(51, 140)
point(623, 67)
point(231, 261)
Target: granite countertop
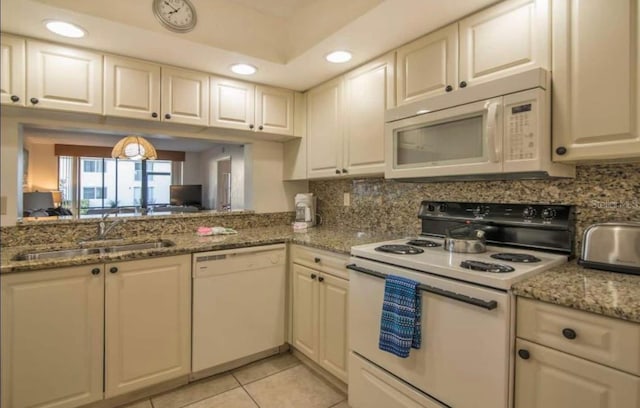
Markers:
point(606, 293)
point(331, 239)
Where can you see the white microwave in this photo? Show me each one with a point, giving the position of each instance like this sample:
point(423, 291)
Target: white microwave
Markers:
point(495, 130)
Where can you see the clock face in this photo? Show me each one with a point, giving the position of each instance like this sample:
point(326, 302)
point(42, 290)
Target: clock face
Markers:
point(176, 15)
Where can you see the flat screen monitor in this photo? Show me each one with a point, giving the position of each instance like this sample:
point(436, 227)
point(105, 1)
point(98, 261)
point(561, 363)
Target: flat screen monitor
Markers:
point(186, 195)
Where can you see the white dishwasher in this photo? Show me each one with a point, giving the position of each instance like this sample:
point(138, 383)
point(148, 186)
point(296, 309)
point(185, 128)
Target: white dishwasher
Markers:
point(238, 304)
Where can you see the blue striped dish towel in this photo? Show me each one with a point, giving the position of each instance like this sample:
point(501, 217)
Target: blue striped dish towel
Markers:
point(401, 312)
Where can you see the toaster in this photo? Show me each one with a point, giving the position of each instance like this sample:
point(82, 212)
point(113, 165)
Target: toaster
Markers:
point(612, 246)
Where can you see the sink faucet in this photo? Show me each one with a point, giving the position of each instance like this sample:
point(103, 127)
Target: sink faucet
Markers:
point(103, 228)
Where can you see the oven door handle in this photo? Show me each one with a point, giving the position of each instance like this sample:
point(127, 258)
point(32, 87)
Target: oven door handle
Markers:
point(489, 305)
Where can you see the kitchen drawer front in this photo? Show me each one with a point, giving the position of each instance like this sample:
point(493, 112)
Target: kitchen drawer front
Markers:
point(323, 261)
point(597, 338)
point(372, 387)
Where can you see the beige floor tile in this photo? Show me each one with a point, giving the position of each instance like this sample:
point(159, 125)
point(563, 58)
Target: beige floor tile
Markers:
point(195, 392)
point(296, 387)
point(236, 398)
point(139, 404)
point(264, 368)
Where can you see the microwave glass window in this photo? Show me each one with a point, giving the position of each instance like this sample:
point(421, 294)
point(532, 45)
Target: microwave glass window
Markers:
point(459, 141)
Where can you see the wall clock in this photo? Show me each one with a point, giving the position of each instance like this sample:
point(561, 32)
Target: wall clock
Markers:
point(176, 15)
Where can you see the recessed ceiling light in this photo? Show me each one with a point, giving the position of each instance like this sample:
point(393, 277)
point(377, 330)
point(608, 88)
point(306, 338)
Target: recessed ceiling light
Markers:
point(65, 29)
point(338, 57)
point(244, 69)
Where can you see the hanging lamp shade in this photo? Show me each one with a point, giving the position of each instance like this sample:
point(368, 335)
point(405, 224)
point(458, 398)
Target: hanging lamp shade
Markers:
point(134, 148)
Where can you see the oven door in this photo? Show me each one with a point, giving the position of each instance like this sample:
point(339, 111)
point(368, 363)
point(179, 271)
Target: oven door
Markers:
point(464, 358)
point(463, 140)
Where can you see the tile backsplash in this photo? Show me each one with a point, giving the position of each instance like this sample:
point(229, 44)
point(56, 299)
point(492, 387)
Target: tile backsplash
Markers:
point(606, 192)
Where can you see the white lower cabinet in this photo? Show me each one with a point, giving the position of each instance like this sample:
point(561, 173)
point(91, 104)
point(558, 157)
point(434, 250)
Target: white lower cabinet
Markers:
point(52, 337)
point(372, 387)
point(320, 307)
point(63, 328)
point(547, 378)
point(147, 322)
point(567, 358)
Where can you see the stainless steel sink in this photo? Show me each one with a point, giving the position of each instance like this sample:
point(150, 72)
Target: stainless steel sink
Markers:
point(140, 246)
point(70, 253)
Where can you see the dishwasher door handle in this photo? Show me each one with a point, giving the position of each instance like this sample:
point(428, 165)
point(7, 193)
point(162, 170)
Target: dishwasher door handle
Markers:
point(485, 304)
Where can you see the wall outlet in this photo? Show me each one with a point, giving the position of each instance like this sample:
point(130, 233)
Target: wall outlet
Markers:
point(347, 199)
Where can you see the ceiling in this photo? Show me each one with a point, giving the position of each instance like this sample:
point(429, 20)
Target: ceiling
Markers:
point(286, 39)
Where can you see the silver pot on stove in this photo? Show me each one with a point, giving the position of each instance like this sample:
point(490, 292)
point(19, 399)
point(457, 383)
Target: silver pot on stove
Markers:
point(465, 238)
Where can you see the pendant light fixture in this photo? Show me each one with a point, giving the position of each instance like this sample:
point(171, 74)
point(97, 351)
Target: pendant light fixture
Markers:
point(134, 148)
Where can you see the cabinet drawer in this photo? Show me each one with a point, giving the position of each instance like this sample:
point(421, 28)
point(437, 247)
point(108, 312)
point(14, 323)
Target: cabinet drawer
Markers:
point(597, 338)
point(323, 261)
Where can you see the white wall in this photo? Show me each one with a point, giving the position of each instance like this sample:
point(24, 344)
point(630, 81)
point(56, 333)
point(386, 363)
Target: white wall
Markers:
point(209, 169)
point(191, 169)
point(43, 167)
point(10, 162)
point(268, 193)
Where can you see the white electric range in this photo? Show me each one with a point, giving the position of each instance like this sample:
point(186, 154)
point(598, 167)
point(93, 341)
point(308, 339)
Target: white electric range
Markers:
point(468, 313)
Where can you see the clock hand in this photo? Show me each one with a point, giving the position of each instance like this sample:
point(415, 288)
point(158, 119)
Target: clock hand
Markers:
point(174, 9)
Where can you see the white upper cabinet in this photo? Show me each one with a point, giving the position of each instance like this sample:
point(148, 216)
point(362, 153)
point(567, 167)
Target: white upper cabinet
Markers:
point(185, 97)
point(369, 91)
point(596, 80)
point(274, 110)
point(245, 106)
point(52, 337)
point(428, 66)
point(63, 78)
point(131, 88)
point(232, 104)
point(324, 130)
point(510, 37)
point(12, 66)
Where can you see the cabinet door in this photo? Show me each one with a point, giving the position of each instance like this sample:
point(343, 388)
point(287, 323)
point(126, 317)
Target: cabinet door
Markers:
point(427, 66)
point(185, 97)
point(552, 379)
point(333, 309)
point(232, 104)
point(305, 310)
point(596, 80)
point(12, 70)
point(52, 337)
point(369, 91)
point(274, 110)
point(511, 37)
point(148, 322)
point(63, 78)
point(131, 88)
point(324, 130)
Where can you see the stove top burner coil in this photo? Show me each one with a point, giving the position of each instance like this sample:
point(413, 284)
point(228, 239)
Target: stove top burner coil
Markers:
point(512, 257)
point(486, 267)
point(399, 249)
point(425, 243)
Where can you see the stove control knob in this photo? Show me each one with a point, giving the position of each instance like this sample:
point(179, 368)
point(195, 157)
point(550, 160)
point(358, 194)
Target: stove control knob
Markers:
point(430, 207)
point(442, 207)
point(480, 211)
point(548, 214)
point(529, 213)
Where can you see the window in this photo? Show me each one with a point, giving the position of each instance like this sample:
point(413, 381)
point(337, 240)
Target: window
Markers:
point(92, 166)
point(91, 193)
point(112, 183)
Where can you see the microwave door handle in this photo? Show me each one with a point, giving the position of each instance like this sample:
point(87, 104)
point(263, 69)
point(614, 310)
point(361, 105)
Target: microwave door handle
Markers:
point(492, 131)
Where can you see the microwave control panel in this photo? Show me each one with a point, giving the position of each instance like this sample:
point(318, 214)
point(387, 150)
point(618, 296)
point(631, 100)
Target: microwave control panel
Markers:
point(521, 123)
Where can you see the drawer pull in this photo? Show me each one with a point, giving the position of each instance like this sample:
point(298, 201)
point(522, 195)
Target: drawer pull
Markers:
point(316, 260)
point(314, 276)
point(524, 354)
point(569, 333)
point(320, 279)
point(113, 269)
point(95, 271)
